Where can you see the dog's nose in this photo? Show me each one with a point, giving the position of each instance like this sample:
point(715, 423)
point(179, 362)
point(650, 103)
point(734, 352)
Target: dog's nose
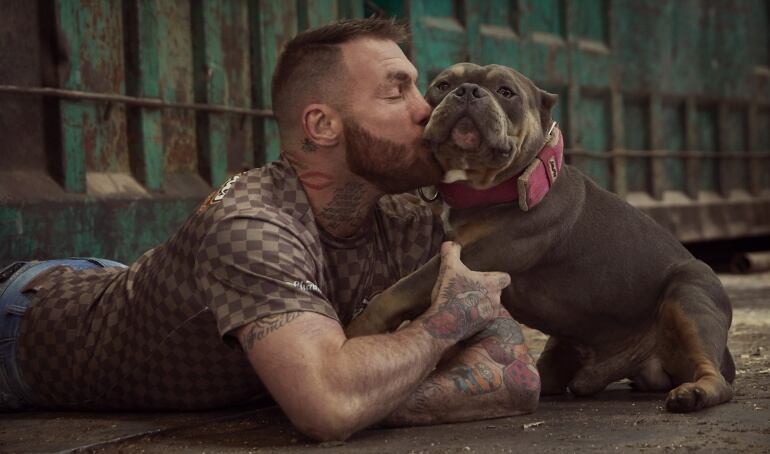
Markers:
point(469, 91)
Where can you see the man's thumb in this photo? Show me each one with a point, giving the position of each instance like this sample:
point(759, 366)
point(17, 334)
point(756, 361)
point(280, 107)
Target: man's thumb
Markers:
point(497, 280)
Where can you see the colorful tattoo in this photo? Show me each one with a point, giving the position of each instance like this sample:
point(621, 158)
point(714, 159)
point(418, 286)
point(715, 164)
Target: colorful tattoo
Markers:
point(459, 315)
point(520, 376)
point(477, 380)
point(503, 340)
point(266, 325)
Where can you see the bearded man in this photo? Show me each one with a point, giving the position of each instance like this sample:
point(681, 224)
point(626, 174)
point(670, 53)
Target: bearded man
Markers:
point(251, 294)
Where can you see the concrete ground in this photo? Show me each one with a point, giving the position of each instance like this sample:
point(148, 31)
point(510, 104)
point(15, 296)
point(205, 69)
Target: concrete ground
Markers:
point(617, 419)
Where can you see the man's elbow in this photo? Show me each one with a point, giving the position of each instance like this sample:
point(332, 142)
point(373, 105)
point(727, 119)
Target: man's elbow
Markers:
point(327, 421)
point(525, 397)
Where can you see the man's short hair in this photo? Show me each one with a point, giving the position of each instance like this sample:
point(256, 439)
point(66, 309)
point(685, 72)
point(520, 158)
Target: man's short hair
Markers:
point(309, 69)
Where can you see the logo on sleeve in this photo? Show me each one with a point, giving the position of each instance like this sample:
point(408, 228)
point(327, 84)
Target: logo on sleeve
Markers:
point(217, 196)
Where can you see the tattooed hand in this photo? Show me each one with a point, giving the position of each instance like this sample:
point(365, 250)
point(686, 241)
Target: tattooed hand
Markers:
point(463, 301)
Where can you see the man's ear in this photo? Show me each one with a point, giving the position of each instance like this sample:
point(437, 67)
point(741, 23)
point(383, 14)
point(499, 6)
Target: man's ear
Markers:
point(322, 124)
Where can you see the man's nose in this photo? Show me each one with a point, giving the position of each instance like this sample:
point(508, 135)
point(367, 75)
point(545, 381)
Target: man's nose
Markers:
point(469, 92)
point(422, 111)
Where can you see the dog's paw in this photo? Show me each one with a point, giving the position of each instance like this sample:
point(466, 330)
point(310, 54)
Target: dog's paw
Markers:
point(685, 398)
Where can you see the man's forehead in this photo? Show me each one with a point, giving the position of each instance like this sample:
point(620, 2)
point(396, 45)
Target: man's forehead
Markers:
point(383, 56)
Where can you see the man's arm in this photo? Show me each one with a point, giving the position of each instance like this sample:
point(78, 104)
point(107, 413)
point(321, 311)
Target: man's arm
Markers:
point(331, 386)
point(493, 376)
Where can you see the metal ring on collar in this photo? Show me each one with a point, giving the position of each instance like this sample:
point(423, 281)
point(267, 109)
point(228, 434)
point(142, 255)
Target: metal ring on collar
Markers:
point(426, 198)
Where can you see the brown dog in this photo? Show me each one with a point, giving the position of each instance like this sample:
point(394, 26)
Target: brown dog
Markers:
point(618, 295)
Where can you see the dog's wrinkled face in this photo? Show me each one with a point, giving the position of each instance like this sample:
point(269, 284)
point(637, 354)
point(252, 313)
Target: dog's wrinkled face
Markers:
point(489, 122)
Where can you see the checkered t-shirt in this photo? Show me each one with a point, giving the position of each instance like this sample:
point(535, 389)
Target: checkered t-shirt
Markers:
point(159, 335)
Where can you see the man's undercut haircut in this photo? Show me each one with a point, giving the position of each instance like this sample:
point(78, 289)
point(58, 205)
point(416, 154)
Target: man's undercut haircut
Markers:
point(310, 67)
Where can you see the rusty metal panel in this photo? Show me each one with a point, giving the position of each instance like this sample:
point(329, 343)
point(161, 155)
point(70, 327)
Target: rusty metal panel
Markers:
point(175, 72)
point(145, 139)
point(220, 55)
point(90, 36)
point(273, 24)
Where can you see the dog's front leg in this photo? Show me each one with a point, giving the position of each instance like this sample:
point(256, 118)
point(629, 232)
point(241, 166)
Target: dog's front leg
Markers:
point(404, 300)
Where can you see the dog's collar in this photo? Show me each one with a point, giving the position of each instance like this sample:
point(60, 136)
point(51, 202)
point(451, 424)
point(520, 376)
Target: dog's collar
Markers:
point(529, 187)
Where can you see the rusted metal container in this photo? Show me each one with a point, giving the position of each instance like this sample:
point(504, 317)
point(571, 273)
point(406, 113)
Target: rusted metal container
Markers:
point(118, 117)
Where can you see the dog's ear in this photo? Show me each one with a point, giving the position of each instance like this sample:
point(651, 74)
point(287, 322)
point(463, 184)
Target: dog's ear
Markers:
point(547, 100)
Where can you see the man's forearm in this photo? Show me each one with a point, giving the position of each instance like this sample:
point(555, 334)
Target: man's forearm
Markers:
point(493, 377)
point(385, 370)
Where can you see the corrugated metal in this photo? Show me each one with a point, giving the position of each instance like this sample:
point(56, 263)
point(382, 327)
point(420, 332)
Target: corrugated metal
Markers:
point(665, 102)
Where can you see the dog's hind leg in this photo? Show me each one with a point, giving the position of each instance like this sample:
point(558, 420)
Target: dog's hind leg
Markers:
point(694, 318)
point(557, 366)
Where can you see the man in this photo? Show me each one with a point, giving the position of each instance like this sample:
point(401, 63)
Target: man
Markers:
point(275, 263)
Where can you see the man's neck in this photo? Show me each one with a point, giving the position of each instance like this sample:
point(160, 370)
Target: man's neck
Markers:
point(342, 203)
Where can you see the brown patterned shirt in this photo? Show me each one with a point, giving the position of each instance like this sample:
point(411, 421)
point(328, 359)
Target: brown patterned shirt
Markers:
point(151, 336)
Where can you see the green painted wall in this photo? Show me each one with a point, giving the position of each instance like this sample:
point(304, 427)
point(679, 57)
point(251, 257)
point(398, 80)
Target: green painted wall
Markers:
point(657, 97)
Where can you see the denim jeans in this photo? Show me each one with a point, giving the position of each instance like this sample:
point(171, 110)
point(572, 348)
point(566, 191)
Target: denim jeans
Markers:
point(14, 392)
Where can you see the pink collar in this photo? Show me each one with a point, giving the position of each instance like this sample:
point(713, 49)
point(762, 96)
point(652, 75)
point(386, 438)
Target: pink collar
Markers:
point(528, 188)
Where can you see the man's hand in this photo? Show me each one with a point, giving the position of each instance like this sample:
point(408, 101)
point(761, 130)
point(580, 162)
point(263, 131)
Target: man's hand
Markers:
point(463, 301)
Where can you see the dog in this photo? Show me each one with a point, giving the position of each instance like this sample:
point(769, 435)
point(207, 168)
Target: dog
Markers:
point(618, 295)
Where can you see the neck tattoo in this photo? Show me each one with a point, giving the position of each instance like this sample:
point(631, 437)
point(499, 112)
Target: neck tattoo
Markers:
point(345, 209)
point(308, 146)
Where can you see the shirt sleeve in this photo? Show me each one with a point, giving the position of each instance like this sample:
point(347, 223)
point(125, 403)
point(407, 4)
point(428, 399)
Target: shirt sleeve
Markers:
point(251, 267)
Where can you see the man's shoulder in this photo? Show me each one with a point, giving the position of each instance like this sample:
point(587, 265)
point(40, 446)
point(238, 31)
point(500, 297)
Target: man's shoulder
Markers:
point(269, 191)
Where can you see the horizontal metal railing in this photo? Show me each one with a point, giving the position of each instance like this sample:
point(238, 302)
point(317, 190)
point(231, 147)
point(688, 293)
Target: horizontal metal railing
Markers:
point(131, 100)
point(160, 104)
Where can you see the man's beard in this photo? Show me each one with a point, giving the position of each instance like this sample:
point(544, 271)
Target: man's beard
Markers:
point(391, 167)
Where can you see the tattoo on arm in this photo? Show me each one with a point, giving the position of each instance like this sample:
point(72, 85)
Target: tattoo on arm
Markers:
point(504, 343)
point(477, 380)
point(454, 318)
point(423, 398)
point(261, 328)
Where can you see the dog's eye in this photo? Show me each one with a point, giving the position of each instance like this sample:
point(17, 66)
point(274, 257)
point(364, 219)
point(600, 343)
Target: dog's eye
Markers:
point(442, 86)
point(505, 92)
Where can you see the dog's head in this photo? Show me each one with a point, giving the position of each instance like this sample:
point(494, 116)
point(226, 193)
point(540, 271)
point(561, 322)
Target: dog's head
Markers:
point(488, 122)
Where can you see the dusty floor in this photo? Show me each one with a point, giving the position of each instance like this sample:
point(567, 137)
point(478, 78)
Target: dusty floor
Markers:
point(616, 420)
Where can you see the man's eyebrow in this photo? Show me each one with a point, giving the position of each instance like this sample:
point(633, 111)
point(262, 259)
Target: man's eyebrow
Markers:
point(399, 76)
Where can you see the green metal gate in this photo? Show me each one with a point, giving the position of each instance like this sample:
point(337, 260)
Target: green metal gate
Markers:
point(118, 117)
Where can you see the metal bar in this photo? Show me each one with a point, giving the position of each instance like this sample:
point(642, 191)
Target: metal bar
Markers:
point(657, 169)
point(145, 138)
point(131, 100)
point(723, 145)
point(618, 165)
point(692, 164)
point(72, 117)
